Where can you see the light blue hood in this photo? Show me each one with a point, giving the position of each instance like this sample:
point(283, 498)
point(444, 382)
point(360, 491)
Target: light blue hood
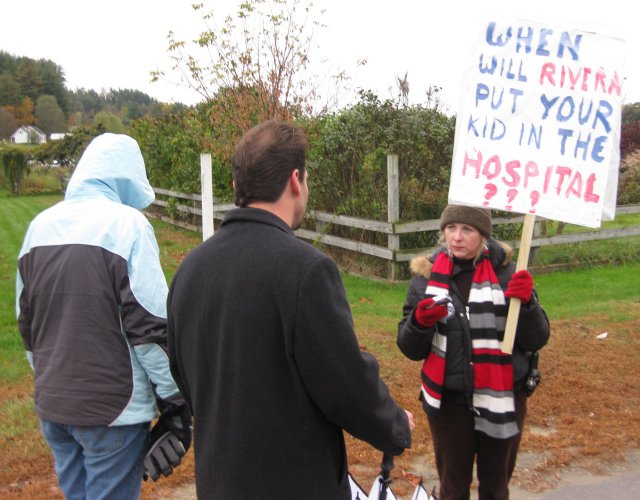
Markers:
point(112, 166)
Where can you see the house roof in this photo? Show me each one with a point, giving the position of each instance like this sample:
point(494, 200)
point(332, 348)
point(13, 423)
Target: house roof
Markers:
point(29, 128)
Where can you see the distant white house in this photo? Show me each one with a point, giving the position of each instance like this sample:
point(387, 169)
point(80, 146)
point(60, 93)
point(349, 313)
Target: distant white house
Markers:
point(28, 134)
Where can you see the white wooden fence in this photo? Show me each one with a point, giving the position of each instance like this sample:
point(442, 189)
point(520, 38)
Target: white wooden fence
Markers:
point(189, 208)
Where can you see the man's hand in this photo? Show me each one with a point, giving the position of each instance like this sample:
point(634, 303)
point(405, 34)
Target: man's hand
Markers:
point(429, 312)
point(412, 424)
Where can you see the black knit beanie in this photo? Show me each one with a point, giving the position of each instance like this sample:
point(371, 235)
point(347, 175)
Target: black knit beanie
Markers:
point(480, 218)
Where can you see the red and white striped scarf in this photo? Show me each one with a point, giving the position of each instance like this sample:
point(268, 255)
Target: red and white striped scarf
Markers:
point(493, 401)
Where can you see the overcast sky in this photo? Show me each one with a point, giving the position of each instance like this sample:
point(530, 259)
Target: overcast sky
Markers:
point(116, 44)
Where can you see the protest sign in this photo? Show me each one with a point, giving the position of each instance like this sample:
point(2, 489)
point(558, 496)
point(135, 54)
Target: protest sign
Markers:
point(538, 130)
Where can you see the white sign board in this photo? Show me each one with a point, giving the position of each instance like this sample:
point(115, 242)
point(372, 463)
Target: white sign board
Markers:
point(538, 129)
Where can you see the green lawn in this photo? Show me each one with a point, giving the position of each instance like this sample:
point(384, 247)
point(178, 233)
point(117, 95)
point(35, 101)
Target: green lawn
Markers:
point(612, 292)
point(15, 214)
point(375, 303)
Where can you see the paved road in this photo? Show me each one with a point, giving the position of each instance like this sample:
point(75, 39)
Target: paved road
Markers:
point(581, 485)
point(622, 482)
point(620, 487)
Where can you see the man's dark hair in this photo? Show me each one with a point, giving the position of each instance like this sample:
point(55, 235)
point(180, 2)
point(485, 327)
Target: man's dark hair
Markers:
point(264, 159)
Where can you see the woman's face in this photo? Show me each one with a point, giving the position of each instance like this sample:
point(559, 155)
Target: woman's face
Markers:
point(464, 241)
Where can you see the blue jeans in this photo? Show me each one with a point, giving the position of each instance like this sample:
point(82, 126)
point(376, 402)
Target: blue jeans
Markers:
point(98, 462)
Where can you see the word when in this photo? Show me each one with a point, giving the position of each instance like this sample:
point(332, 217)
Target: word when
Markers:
point(542, 39)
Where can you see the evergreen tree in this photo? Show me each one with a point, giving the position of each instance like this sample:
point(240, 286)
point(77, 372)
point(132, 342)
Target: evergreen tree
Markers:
point(49, 116)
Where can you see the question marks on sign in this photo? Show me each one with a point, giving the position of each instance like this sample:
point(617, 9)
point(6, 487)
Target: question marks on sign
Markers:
point(491, 191)
point(511, 194)
point(535, 197)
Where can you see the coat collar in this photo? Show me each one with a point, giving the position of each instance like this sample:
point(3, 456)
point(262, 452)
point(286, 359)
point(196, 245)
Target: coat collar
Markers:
point(499, 252)
point(249, 214)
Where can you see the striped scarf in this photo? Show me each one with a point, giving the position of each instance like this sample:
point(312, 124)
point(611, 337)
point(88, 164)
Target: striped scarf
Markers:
point(493, 401)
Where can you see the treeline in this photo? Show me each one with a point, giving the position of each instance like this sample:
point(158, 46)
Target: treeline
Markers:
point(34, 92)
point(347, 155)
point(348, 147)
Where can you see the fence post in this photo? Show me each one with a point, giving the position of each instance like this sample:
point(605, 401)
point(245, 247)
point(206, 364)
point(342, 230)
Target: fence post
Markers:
point(320, 226)
point(393, 210)
point(206, 186)
point(534, 253)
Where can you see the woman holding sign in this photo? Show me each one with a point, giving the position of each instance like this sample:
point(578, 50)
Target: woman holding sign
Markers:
point(454, 320)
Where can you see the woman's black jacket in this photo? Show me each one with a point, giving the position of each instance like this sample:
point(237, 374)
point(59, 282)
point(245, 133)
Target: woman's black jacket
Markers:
point(414, 341)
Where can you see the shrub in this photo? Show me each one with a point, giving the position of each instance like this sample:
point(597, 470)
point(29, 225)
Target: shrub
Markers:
point(15, 166)
point(629, 181)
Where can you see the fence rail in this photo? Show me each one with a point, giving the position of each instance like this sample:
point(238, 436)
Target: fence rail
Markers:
point(189, 214)
point(405, 255)
point(186, 216)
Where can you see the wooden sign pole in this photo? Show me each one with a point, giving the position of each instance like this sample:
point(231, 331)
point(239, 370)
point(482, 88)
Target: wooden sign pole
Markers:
point(522, 263)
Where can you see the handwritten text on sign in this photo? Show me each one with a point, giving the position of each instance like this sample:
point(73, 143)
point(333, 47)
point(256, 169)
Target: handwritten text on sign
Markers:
point(538, 131)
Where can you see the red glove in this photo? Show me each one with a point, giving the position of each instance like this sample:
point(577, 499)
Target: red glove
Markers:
point(520, 286)
point(427, 314)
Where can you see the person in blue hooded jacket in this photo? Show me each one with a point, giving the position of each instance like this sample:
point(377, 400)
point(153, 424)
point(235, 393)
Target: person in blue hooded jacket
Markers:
point(91, 309)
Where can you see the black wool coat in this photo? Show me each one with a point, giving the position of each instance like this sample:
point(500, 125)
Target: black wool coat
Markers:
point(262, 346)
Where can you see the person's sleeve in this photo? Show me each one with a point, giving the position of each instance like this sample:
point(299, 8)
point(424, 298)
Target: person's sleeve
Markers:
point(174, 365)
point(343, 381)
point(413, 340)
point(533, 328)
point(143, 297)
point(24, 318)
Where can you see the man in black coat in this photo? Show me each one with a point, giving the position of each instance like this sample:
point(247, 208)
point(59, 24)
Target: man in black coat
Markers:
point(261, 343)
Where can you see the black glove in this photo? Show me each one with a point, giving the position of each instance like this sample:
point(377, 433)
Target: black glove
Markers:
point(170, 439)
point(164, 454)
point(176, 419)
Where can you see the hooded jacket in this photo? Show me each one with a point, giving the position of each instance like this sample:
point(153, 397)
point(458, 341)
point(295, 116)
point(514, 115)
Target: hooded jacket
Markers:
point(91, 296)
point(414, 341)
